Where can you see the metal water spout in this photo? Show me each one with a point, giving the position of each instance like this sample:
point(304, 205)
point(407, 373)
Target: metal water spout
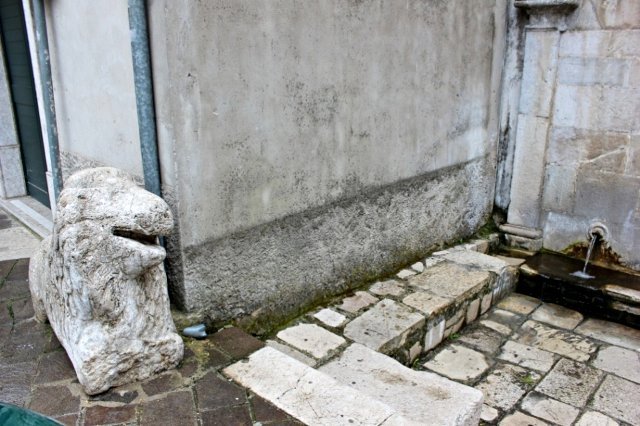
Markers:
point(597, 230)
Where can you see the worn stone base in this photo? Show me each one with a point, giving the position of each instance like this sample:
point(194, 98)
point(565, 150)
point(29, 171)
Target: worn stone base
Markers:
point(272, 272)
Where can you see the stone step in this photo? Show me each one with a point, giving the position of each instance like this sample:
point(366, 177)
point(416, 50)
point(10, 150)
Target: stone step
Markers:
point(361, 387)
point(418, 396)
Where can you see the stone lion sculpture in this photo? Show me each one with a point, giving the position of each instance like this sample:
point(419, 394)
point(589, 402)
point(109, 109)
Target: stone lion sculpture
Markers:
point(100, 281)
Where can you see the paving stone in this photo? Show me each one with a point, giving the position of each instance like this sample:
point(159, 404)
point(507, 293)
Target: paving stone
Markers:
point(434, 335)
point(496, 326)
point(549, 409)
point(557, 341)
point(164, 383)
point(236, 342)
point(488, 414)
point(622, 293)
point(505, 385)
point(458, 363)
point(511, 320)
point(527, 356)
point(451, 281)
point(520, 419)
point(189, 364)
point(619, 361)
point(593, 418)
point(486, 303)
point(418, 267)
point(68, 420)
point(14, 289)
point(405, 273)
point(307, 394)
point(288, 350)
point(53, 367)
point(215, 357)
point(357, 302)
point(415, 351)
point(557, 316)
point(428, 303)
point(482, 339)
point(215, 392)
point(54, 401)
point(267, 412)
point(15, 382)
point(174, 409)
point(330, 318)
point(570, 382)
point(387, 288)
point(519, 304)
point(415, 395)
point(385, 327)
point(227, 416)
point(611, 332)
point(311, 339)
point(99, 415)
point(22, 309)
point(618, 398)
point(121, 395)
point(472, 311)
point(477, 260)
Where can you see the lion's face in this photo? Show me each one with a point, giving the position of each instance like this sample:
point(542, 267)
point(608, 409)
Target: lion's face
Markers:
point(104, 214)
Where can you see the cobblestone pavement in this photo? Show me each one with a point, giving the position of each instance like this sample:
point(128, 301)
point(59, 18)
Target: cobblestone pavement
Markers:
point(540, 364)
point(36, 373)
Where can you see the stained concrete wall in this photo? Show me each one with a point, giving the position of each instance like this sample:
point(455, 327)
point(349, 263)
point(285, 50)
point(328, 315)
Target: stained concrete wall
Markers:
point(93, 85)
point(592, 159)
point(308, 146)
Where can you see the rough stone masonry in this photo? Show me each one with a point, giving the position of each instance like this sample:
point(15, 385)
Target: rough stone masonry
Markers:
point(100, 281)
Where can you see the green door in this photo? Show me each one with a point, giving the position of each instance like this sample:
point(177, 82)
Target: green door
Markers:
point(23, 94)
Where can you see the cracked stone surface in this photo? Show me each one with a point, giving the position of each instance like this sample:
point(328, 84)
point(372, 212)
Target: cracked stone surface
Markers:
point(557, 341)
point(609, 332)
point(527, 356)
point(451, 281)
point(570, 382)
point(505, 385)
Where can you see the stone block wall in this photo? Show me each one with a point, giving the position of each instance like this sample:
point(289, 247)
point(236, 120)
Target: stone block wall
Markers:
point(578, 131)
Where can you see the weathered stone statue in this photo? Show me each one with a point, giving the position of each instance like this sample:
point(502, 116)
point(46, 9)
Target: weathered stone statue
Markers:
point(100, 281)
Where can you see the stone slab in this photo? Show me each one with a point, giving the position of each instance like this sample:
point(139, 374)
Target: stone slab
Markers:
point(527, 356)
point(488, 414)
point(357, 302)
point(618, 398)
point(611, 332)
point(593, 418)
point(416, 395)
point(458, 363)
point(505, 385)
point(561, 342)
point(549, 409)
point(385, 327)
point(17, 243)
point(288, 350)
point(304, 393)
point(427, 303)
point(330, 318)
point(496, 326)
point(520, 419)
point(472, 311)
point(557, 316)
point(482, 339)
point(570, 382)
point(434, 335)
point(387, 288)
point(486, 303)
point(619, 361)
point(512, 261)
point(519, 304)
point(451, 281)
point(477, 260)
point(405, 273)
point(418, 267)
point(311, 339)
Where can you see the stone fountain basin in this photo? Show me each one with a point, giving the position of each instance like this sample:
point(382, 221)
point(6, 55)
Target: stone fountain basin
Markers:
point(611, 294)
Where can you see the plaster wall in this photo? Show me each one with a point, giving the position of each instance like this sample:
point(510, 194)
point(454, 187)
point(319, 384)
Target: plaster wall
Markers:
point(93, 85)
point(309, 146)
point(592, 161)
